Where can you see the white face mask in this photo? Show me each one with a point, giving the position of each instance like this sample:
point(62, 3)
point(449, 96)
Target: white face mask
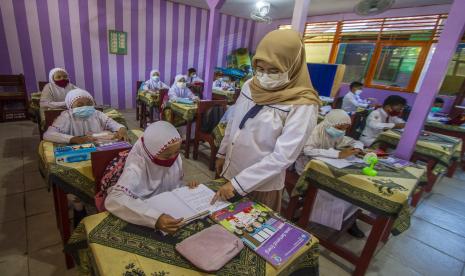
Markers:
point(181, 84)
point(156, 78)
point(358, 92)
point(272, 81)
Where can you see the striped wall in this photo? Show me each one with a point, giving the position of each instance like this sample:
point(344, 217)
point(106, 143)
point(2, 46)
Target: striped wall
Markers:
point(37, 35)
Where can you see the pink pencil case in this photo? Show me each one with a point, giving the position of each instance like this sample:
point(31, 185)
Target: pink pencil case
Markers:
point(217, 245)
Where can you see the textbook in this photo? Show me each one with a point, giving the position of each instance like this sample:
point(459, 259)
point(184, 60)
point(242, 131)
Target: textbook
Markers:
point(187, 203)
point(262, 231)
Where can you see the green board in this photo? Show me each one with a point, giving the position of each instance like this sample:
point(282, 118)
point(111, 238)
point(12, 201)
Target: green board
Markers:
point(117, 42)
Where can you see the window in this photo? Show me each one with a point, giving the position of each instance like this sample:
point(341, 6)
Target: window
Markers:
point(387, 53)
point(455, 75)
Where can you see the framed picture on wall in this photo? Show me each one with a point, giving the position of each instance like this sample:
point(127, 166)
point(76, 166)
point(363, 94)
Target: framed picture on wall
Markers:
point(117, 42)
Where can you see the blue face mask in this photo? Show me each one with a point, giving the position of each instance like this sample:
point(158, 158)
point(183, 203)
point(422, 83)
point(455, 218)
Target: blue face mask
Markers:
point(334, 132)
point(83, 112)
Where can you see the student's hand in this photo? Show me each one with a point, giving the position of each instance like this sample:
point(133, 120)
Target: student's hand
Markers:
point(82, 139)
point(347, 152)
point(224, 193)
point(219, 163)
point(168, 224)
point(192, 184)
point(400, 125)
point(121, 135)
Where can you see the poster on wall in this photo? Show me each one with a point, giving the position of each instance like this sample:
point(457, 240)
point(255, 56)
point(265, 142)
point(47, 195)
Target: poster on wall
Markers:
point(117, 42)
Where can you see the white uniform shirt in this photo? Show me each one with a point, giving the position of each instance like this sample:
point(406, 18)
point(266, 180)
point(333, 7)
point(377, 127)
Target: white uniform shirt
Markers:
point(351, 102)
point(257, 156)
point(377, 122)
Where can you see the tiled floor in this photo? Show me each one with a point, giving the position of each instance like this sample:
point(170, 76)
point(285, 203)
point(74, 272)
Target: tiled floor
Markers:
point(30, 242)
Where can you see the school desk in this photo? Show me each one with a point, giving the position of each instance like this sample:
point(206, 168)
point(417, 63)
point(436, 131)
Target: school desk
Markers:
point(450, 130)
point(69, 178)
point(34, 105)
point(220, 94)
point(181, 114)
point(150, 102)
point(385, 196)
point(106, 245)
point(440, 152)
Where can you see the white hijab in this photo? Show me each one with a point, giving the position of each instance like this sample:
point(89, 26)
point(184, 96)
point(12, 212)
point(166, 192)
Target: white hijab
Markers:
point(58, 93)
point(320, 138)
point(152, 84)
point(76, 94)
point(141, 177)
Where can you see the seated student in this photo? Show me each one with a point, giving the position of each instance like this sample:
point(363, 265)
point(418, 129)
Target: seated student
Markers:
point(222, 83)
point(384, 118)
point(179, 90)
point(328, 140)
point(192, 76)
point(153, 166)
point(352, 100)
point(436, 108)
point(77, 124)
point(54, 92)
point(154, 82)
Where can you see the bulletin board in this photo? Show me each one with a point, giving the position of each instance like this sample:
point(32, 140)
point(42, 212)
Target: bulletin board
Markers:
point(326, 78)
point(117, 42)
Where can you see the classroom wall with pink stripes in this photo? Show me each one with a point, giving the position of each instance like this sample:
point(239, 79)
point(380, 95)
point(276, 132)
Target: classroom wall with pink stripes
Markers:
point(38, 35)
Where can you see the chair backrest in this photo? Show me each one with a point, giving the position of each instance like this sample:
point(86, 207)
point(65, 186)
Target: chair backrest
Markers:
point(337, 104)
point(358, 124)
point(197, 89)
point(162, 93)
point(203, 107)
point(41, 85)
point(50, 116)
point(138, 84)
point(100, 161)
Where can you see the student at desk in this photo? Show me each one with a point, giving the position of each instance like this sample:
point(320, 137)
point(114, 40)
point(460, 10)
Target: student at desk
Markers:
point(328, 140)
point(153, 83)
point(384, 118)
point(77, 124)
point(192, 77)
point(54, 92)
point(153, 166)
point(276, 111)
point(352, 101)
point(179, 90)
point(435, 109)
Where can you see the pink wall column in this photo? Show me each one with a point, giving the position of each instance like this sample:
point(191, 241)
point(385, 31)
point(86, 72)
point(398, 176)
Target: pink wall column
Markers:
point(299, 16)
point(212, 45)
point(446, 47)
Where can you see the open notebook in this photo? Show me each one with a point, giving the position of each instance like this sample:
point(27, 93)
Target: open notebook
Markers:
point(187, 203)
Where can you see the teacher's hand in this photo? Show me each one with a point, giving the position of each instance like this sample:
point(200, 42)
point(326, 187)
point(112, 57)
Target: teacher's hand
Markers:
point(224, 193)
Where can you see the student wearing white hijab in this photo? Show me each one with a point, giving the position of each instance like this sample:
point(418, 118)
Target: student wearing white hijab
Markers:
point(77, 124)
point(154, 82)
point(54, 92)
point(179, 90)
point(328, 140)
point(152, 167)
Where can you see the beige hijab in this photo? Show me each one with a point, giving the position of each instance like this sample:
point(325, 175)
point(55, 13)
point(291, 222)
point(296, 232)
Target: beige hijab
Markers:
point(279, 48)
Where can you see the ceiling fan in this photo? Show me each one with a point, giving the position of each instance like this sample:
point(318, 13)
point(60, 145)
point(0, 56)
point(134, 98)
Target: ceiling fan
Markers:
point(372, 7)
point(260, 12)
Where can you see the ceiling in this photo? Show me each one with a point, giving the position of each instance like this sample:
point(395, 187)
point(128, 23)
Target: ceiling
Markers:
point(283, 8)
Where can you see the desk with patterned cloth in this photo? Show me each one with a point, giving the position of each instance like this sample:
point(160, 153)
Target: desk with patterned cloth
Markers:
point(450, 130)
point(151, 99)
point(179, 114)
point(385, 196)
point(34, 105)
point(223, 95)
point(106, 245)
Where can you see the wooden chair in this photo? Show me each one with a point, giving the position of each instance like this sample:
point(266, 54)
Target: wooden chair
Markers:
point(197, 89)
point(50, 116)
point(150, 113)
point(41, 85)
point(100, 161)
point(203, 108)
point(337, 104)
point(138, 103)
point(19, 96)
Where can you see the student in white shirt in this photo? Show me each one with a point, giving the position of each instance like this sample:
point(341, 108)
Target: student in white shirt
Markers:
point(384, 118)
point(272, 118)
point(192, 76)
point(77, 124)
point(352, 100)
point(179, 90)
point(54, 92)
point(436, 108)
point(153, 83)
point(328, 140)
point(153, 166)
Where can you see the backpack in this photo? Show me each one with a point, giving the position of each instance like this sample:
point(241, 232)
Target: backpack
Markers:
point(360, 121)
point(110, 177)
point(211, 118)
